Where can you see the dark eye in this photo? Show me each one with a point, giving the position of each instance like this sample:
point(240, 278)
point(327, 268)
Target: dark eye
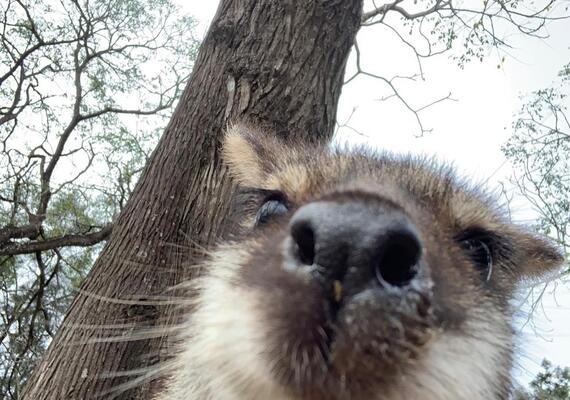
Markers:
point(272, 208)
point(478, 251)
point(478, 246)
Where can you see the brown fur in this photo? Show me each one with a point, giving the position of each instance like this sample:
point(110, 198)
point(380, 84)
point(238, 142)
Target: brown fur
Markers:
point(260, 329)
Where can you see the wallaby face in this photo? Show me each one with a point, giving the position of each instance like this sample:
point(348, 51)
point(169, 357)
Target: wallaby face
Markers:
point(354, 276)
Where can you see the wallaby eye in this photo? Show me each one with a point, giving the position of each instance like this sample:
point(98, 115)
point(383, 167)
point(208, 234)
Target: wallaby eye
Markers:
point(477, 244)
point(478, 251)
point(274, 206)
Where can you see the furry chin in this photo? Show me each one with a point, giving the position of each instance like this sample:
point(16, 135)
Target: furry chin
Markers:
point(227, 357)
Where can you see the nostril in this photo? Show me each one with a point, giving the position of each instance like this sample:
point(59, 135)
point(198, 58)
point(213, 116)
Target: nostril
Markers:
point(399, 257)
point(304, 237)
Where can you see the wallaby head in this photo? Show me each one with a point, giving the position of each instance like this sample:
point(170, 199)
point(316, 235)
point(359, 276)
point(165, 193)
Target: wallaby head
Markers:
point(354, 275)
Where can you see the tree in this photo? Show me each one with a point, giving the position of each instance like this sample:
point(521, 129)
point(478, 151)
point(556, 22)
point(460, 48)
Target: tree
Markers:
point(278, 64)
point(84, 88)
point(552, 383)
point(539, 149)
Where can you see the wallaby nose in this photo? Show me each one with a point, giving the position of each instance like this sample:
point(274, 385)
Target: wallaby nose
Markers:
point(356, 243)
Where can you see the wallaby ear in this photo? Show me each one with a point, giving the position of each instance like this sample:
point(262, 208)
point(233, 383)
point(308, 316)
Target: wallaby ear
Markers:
point(252, 154)
point(538, 255)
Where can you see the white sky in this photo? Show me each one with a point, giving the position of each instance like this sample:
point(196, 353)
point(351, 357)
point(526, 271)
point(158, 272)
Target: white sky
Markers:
point(468, 132)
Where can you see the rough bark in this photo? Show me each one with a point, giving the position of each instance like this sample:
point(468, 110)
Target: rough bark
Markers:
point(281, 64)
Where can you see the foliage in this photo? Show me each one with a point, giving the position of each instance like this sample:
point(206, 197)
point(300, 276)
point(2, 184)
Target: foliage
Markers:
point(466, 30)
point(552, 383)
point(539, 151)
point(85, 89)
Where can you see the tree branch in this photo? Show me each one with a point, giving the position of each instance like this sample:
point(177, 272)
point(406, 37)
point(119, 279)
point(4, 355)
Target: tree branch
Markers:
point(382, 10)
point(77, 240)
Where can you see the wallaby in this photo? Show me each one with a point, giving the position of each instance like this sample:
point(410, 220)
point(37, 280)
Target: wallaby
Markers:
point(354, 275)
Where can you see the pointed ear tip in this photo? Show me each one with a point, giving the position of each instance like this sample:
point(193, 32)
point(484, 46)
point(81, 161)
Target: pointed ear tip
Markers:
point(234, 130)
point(239, 154)
point(235, 138)
point(552, 251)
point(230, 138)
point(541, 257)
point(239, 134)
point(551, 259)
point(558, 256)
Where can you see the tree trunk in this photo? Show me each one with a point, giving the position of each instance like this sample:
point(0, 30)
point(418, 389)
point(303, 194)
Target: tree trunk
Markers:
point(281, 64)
